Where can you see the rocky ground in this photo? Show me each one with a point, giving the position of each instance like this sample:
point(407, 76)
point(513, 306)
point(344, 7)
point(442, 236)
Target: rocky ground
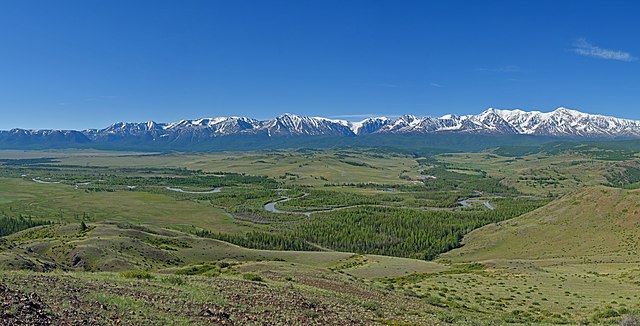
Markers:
point(110, 299)
point(19, 308)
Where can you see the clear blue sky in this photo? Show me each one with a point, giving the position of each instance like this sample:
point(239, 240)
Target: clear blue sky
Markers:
point(89, 63)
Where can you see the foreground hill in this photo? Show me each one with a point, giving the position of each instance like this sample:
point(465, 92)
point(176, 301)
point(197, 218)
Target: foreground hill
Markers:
point(194, 281)
point(118, 246)
point(597, 224)
point(267, 293)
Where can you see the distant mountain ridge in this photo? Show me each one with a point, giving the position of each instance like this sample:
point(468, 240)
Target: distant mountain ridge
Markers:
point(560, 123)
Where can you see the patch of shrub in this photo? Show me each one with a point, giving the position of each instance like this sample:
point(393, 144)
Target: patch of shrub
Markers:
point(195, 270)
point(608, 313)
point(252, 277)
point(166, 243)
point(371, 305)
point(173, 280)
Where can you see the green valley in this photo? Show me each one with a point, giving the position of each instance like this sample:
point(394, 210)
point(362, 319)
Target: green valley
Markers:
point(350, 236)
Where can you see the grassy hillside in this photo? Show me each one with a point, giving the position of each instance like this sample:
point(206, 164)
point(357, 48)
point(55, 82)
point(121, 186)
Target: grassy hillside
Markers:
point(597, 224)
point(121, 246)
point(271, 293)
point(573, 261)
point(170, 277)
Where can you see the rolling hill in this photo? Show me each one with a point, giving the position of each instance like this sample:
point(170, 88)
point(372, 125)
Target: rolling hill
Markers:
point(598, 224)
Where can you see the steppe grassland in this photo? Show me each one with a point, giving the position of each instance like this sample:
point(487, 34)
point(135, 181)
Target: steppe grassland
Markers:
point(306, 167)
point(538, 174)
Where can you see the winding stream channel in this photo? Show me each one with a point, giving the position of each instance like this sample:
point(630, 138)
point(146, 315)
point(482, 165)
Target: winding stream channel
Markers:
point(212, 191)
point(271, 206)
point(42, 181)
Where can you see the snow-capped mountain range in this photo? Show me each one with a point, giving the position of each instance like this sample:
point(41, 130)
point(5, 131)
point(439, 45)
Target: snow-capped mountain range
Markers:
point(199, 129)
point(561, 122)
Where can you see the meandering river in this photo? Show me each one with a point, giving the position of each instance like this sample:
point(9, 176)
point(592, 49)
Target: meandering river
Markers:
point(271, 207)
point(212, 191)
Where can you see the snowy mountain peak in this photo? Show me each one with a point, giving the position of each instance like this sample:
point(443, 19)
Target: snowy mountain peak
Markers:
point(291, 125)
point(409, 118)
point(564, 122)
point(369, 125)
point(566, 111)
point(561, 122)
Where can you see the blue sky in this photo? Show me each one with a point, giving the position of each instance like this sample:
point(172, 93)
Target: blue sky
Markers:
point(89, 63)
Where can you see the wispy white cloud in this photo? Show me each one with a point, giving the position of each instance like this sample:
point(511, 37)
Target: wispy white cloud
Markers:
point(584, 48)
point(509, 68)
point(435, 85)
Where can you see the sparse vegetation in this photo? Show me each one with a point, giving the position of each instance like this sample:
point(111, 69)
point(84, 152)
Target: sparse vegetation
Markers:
point(138, 275)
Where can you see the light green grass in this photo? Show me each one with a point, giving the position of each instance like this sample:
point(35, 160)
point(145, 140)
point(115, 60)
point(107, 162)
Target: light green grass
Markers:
point(303, 168)
point(535, 174)
point(522, 291)
point(58, 202)
point(379, 267)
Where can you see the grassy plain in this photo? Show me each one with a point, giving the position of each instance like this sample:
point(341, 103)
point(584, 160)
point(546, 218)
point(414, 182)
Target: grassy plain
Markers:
point(303, 167)
point(64, 203)
point(537, 173)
